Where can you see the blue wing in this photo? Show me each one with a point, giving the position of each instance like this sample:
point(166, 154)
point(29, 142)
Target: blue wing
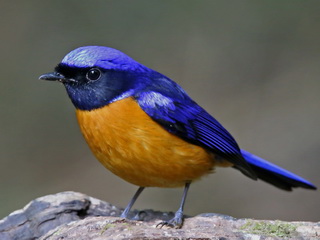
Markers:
point(183, 117)
point(172, 108)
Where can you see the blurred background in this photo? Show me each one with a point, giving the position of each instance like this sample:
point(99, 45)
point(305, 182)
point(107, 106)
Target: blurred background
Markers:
point(254, 65)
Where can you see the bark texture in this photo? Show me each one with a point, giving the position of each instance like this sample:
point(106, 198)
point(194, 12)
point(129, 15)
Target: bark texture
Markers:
point(71, 215)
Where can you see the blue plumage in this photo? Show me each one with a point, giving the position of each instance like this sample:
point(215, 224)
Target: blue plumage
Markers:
point(164, 101)
point(105, 57)
point(274, 174)
point(185, 118)
point(96, 76)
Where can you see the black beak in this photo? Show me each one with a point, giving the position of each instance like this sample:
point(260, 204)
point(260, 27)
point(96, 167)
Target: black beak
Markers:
point(55, 76)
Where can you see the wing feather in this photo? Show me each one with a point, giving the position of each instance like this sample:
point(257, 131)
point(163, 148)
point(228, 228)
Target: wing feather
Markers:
point(186, 119)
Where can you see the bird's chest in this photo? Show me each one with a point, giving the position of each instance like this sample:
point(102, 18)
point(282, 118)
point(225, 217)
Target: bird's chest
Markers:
point(134, 147)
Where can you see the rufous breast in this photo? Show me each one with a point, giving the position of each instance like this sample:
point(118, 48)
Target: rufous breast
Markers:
point(136, 148)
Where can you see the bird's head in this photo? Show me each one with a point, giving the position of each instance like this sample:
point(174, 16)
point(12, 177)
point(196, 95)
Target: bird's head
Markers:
point(95, 76)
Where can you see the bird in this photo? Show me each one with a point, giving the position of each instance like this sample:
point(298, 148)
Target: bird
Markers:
point(144, 127)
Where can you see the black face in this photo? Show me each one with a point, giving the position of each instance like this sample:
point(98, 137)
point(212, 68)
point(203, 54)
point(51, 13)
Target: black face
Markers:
point(91, 88)
point(79, 76)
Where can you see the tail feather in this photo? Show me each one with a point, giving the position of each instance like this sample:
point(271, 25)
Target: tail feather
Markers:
point(275, 175)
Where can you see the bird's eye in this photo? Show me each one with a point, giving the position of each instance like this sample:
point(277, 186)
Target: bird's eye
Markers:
point(93, 74)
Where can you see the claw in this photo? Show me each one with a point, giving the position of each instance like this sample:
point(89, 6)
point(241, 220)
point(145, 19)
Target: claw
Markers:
point(175, 222)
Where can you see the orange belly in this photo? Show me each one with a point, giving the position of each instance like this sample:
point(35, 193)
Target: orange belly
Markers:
point(134, 147)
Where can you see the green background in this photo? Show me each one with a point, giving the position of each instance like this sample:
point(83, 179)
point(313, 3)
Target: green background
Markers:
point(254, 65)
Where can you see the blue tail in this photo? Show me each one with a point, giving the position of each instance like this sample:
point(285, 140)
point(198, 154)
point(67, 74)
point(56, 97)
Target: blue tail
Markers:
point(275, 175)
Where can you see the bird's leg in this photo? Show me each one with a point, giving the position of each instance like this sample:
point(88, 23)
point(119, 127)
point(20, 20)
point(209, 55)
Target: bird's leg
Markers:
point(132, 201)
point(177, 220)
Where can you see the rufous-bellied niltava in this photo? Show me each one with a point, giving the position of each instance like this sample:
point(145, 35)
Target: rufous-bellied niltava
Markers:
point(144, 127)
